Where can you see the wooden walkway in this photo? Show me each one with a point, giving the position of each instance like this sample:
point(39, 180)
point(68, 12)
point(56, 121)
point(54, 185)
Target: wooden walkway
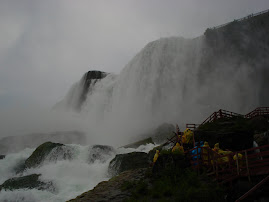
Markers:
point(226, 168)
point(260, 111)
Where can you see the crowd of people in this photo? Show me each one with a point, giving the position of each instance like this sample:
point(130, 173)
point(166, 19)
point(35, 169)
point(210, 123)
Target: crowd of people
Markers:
point(186, 145)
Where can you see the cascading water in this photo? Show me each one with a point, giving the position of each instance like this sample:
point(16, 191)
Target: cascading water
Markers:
point(72, 169)
point(172, 80)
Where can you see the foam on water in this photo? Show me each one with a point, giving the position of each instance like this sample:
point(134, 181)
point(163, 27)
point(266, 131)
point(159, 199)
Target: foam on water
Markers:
point(71, 176)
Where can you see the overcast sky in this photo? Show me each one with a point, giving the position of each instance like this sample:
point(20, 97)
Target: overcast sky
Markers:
point(47, 45)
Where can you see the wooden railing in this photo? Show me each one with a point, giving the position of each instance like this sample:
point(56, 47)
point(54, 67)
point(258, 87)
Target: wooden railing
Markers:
point(260, 111)
point(192, 126)
point(220, 114)
point(242, 19)
point(225, 169)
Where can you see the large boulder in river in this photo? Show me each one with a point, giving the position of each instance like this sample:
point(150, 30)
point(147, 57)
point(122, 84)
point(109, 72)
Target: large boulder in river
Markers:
point(27, 182)
point(57, 151)
point(129, 161)
point(101, 153)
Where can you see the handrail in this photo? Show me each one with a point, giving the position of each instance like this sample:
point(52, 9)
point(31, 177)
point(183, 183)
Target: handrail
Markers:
point(253, 189)
point(260, 111)
point(250, 164)
point(241, 19)
point(220, 114)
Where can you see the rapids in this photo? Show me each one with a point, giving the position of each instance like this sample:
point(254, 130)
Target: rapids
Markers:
point(70, 177)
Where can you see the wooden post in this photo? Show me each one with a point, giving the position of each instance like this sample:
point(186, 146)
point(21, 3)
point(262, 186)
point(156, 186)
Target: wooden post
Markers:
point(246, 157)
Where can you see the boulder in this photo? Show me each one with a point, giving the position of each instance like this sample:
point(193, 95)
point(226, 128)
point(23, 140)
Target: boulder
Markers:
point(2, 157)
point(129, 161)
point(41, 152)
point(112, 190)
point(101, 153)
point(27, 182)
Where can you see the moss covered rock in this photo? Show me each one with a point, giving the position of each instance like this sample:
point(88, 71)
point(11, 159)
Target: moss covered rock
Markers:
point(100, 153)
point(26, 182)
point(39, 155)
point(129, 161)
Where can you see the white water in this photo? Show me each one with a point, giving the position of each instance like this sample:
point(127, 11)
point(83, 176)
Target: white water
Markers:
point(161, 84)
point(70, 177)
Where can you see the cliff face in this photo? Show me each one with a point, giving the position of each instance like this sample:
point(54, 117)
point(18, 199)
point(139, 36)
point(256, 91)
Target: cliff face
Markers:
point(79, 91)
point(243, 46)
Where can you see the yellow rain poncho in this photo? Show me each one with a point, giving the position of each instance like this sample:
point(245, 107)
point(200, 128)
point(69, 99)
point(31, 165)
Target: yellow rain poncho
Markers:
point(216, 147)
point(156, 156)
point(187, 137)
point(178, 148)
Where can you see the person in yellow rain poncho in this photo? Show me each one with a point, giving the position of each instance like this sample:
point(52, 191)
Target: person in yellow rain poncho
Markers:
point(216, 148)
point(240, 157)
point(156, 156)
point(178, 148)
point(205, 151)
point(221, 160)
point(187, 138)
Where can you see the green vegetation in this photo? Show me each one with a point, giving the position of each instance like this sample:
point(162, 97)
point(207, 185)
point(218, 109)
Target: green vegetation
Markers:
point(174, 185)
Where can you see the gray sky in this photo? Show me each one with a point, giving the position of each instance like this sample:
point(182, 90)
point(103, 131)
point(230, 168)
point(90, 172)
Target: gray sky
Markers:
point(47, 45)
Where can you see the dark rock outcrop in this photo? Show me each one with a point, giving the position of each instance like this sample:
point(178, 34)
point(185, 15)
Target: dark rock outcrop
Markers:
point(39, 155)
point(129, 161)
point(78, 92)
point(27, 182)
point(2, 157)
point(101, 153)
point(88, 81)
point(112, 190)
point(239, 44)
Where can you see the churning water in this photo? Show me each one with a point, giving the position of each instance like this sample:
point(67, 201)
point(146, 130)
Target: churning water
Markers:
point(70, 177)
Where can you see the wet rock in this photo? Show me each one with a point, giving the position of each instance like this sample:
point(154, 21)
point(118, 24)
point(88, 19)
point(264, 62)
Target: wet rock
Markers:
point(129, 161)
point(27, 182)
point(112, 190)
point(39, 155)
point(101, 153)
